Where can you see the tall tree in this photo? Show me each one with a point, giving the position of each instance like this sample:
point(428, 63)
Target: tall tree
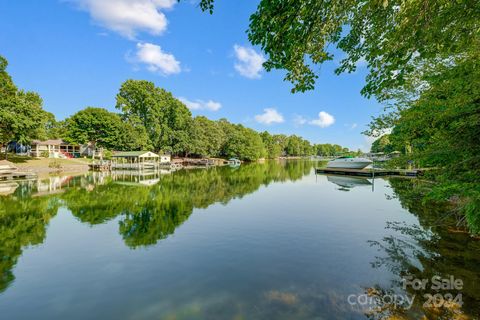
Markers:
point(272, 145)
point(21, 115)
point(294, 146)
point(104, 129)
point(166, 119)
point(207, 137)
point(241, 142)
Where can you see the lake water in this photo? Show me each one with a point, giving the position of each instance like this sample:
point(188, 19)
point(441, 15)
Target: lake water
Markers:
point(261, 241)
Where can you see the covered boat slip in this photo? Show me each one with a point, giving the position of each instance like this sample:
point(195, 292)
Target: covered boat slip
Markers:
point(135, 160)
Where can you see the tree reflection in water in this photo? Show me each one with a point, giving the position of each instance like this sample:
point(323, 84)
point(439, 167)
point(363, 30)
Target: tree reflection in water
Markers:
point(22, 223)
point(147, 213)
point(423, 251)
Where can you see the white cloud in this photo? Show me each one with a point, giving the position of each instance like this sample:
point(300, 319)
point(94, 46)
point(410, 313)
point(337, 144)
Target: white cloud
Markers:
point(249, 62)
point(269, 116)
point(156, 59)
point(201, 105)
point(324, 120)
point(127, 17)
point(299, 120)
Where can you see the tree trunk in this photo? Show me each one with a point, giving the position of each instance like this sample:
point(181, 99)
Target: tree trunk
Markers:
point(94, 146)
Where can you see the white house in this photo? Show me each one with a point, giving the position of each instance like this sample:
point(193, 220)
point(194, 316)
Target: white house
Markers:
point(57, 148)
point(54, 148)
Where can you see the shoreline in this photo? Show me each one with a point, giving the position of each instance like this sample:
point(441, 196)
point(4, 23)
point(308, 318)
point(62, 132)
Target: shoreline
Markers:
point(46, 166)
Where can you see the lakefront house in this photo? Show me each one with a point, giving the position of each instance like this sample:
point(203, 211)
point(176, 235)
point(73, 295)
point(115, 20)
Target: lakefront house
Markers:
point(54, 148)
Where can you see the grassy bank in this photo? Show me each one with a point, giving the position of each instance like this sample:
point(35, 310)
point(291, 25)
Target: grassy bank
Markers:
point(47, 165)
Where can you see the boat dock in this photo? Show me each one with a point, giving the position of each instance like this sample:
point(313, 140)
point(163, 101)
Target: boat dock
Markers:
point(173, 164)
point(18, 175)
point(9, 172)
point(369, 172)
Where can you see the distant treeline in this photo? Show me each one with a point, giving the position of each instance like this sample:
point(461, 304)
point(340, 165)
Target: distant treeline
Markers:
point(149, 118)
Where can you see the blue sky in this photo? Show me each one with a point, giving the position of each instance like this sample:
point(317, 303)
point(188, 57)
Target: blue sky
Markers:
point(76, 53)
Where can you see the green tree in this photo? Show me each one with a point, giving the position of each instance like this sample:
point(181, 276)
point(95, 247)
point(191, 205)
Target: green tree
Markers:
point(53, 129)
point(207, 137)
point(273, 146)
point(441, 129)
point(281, 140)
point(382, 144)
point(294, 146)
point(133, 135)
point(104, 129)
point(166, 119)
point(21, 115)
point(241, 142)
point(307, 148)
point(392, 36)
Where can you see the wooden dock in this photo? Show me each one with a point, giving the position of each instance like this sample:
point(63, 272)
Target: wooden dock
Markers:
point(111, 166)
point(18, 175)
point(9, 172)
point(369, 172)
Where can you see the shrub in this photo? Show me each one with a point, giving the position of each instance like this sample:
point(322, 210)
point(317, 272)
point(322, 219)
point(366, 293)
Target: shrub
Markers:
point(55, 164)
point(107, 154)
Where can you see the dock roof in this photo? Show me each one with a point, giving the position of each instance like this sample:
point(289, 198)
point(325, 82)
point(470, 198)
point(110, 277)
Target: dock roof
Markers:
point(135, 154)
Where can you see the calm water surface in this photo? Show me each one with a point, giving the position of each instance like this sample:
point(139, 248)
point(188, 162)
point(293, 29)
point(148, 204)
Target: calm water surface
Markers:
point(262, 241)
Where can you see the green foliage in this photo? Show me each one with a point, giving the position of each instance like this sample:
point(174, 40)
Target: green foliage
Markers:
point(472, 209)
point(95, 125)
point(21, 115)
point(294, 146)
point(441, 129)
point(382, 144)
point(150, 118)
point(52, 128)
point(105, 129)
point(328, 150)
point(55, 164)
point(241, 142)
point(394, 37)
point(107, 154)
point(207, 137)
point(423, 62)
point(274, 146)
point(166, 119)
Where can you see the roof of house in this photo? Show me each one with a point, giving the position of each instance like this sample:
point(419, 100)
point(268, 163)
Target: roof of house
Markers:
point(51, 142)
point(135, 154)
